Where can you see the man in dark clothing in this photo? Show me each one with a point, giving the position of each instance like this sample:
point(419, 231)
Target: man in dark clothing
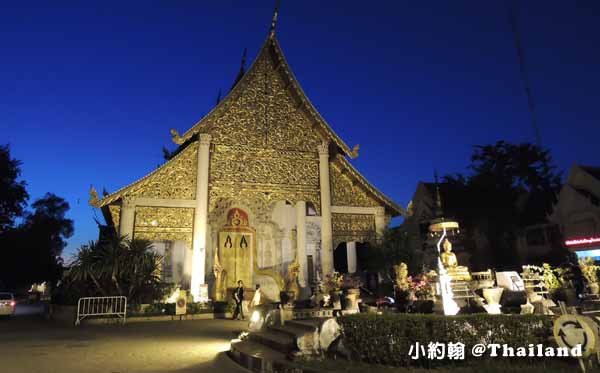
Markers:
point(238, 296)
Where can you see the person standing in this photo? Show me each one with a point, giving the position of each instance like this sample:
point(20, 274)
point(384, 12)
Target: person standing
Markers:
point(238, 296)
point(257, 299)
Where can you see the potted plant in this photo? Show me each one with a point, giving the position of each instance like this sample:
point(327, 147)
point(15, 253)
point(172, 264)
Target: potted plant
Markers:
point(332, 285)
point(590, 271)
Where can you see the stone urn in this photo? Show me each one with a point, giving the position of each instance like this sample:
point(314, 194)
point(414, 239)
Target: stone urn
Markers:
point(352, 298)
point(492, 297)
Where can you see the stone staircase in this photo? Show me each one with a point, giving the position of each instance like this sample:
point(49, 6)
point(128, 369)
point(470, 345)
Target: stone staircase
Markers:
point(461, 291)
point(274, 348)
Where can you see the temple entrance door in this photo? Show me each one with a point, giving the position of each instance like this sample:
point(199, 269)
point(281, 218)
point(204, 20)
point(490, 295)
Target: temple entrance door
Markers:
point(340, 258)
point(236, 246)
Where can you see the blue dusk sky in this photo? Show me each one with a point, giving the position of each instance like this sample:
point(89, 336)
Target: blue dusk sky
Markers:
point(90, 89)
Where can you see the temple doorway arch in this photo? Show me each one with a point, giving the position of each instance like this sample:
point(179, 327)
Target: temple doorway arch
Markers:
point(340, 258)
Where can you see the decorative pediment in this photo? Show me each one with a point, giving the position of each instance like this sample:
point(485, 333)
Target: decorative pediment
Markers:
point(350, 188)
point(264, 108)
point(176, 179)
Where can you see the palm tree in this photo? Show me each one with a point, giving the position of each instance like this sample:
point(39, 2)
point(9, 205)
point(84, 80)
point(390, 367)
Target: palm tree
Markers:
point(119, 266)
point(86, 265)
point(113, 254)
point(144, 267)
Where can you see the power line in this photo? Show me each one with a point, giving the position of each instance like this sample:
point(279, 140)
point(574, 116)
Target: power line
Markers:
point(513, 20)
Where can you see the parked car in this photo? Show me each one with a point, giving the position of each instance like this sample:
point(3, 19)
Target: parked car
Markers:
point(7, 304)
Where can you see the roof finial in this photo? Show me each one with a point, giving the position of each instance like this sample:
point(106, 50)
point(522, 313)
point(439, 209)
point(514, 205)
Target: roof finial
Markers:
point(274, 20)
point(242, 69)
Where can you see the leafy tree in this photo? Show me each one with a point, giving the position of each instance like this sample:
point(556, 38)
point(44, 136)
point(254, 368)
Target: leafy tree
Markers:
point(511, 186)
point(33, 247)
point(37, 243)
point(393, 249)
point(13, 195)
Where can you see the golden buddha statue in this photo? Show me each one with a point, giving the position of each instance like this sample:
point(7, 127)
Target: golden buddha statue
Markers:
point(456, 272)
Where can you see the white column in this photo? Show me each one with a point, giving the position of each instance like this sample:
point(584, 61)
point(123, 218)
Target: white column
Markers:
point(301, 241)
point(200, 217)
point(351, 256)
point(326, 230)
point(380, 222)
point(127, 218)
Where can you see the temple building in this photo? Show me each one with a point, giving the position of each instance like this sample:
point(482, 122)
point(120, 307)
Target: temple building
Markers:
point(260, 183)
point(577, 211)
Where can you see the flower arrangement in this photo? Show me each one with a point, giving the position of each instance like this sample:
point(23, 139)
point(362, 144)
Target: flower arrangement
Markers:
point(589, 270)
point(421, 286)
point(333, 282)
point(534, 272)
point(550, 278)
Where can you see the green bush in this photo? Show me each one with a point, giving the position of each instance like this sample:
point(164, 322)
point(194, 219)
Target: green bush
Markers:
point(387, 339)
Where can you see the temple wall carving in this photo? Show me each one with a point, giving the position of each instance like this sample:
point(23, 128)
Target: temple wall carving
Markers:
point(175, 180)
point(243, 165)
point(221, 196)
point(264, 114)
point(346, 192)
point(115, 214)
point(164, 223)
point(353, 227)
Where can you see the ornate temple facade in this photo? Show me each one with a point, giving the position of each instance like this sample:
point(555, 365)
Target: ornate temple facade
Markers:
point(260, 183)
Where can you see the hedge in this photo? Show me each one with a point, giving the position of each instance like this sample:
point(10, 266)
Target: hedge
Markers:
point(156, 309)
point(386, 339)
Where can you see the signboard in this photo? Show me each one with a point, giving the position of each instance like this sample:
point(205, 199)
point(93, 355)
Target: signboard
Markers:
point(572, 330)
point(181, 303)
point(583, 241)
point(510, 280)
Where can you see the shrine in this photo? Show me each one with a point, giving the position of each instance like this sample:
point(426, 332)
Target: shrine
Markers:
point(259, 185)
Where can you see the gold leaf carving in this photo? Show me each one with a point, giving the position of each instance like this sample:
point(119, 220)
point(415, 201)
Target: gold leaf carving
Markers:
point(164, 223)
point(115, 213)
point(175, 180)
point(264, 114)
point(260, 200)
point(353, 227)
point(345, 192)
point(164, 217)
point(262, 166)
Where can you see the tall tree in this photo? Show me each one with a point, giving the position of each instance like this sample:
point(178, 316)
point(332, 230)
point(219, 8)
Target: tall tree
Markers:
point(511, 186)
point(45, 232)
point(13, 195)
point(34, 248)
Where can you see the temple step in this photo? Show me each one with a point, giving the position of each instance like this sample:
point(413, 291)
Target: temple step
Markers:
point(461, 290)
point(309, 325)
point(254, 356)
point(275, 339)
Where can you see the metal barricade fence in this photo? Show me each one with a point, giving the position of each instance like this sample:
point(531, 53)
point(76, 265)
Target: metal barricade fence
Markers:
point(101, 306)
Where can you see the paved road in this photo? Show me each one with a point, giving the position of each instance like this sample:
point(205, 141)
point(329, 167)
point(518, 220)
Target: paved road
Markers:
point(31, 344)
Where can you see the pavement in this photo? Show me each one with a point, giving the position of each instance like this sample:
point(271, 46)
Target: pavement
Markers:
point(28, 343)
